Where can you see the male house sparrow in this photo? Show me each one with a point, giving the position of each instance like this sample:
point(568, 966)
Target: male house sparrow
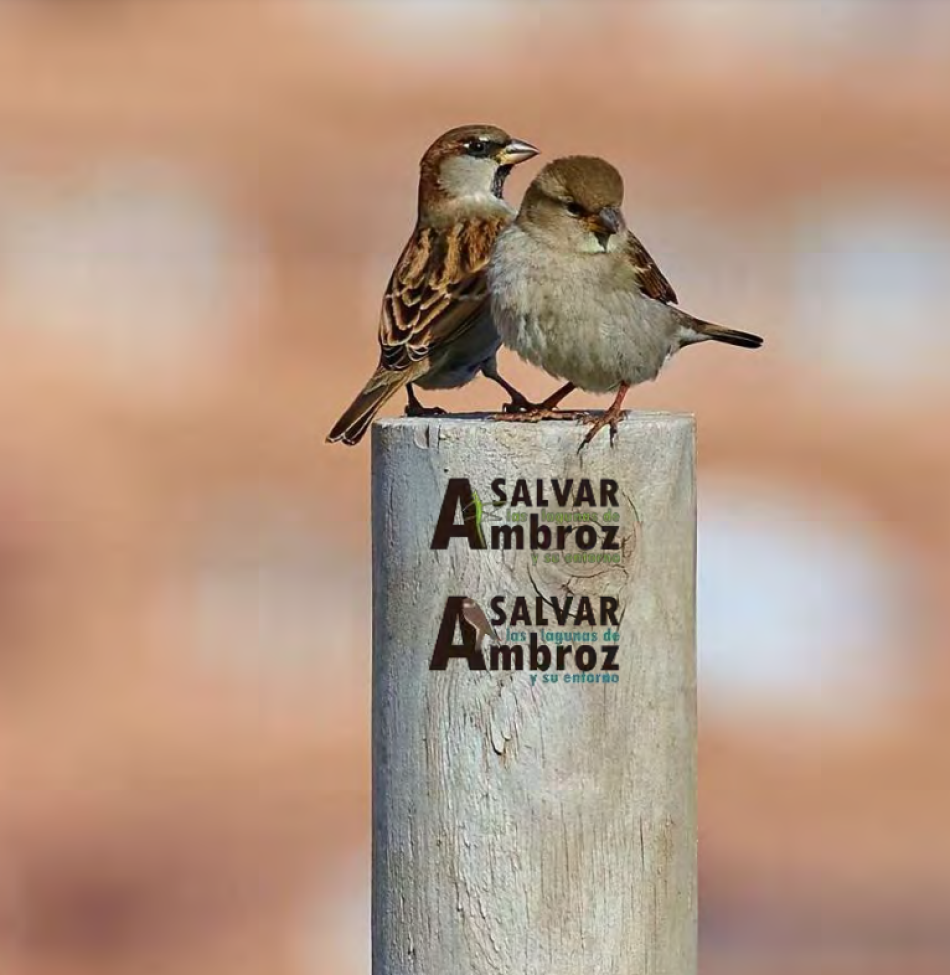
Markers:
point(435, 328)
point(574, 292)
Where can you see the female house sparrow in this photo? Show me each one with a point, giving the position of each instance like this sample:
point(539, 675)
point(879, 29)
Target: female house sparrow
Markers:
point(435, 328)
point(574, 292)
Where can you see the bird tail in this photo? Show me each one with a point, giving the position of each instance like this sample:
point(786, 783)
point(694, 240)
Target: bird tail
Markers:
point(707, 330)
point(354, 423)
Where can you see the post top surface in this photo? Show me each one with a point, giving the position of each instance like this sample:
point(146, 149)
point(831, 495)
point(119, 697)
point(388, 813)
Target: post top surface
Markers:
point(462, 421)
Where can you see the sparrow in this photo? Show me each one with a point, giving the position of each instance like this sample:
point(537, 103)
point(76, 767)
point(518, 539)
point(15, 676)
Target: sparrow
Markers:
point(474, 615)
point(575, 292)
point(435, 327)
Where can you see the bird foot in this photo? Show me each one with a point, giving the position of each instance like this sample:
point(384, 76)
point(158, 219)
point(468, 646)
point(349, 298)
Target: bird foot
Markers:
point(536, 413)
point(597, 423)
point(519, 404)
point(420, 410)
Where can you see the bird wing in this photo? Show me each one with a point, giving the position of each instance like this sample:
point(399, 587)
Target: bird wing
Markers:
point(650, 278)
point(437, 289)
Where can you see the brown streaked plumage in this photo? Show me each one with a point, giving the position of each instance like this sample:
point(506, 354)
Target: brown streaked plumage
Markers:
point(436, 286)
point(576, 293)
point(435, 327)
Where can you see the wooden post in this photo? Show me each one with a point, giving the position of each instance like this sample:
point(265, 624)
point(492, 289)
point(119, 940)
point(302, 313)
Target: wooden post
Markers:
point(522, 825)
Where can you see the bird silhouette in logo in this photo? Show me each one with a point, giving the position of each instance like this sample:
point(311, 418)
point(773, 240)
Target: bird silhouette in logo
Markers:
point(474, 615)
point(476, 510)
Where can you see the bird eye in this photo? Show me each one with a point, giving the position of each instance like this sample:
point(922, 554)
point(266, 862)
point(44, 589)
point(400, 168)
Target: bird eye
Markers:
point(575, 209)
point(478, 148)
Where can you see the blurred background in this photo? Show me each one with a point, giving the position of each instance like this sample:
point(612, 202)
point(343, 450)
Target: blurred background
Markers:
point(199, 206)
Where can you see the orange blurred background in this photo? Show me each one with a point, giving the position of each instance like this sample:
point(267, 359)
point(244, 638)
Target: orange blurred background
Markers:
point(199, 205)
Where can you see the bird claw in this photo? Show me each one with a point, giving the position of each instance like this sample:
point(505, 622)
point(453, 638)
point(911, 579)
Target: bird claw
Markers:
point(610, 418)
point(519, 406)
point(420, 410)
point(536, 413)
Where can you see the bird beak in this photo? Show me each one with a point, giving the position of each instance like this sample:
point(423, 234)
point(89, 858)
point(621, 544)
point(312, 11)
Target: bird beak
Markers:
point(607, 223)
point(516, 152)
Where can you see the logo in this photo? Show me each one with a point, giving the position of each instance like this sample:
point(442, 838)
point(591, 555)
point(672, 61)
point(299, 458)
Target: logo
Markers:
point(571, 525)
point(578, 650)
point(581, 535)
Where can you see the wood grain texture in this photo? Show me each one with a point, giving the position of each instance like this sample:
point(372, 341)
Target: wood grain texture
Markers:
point(534, 829)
